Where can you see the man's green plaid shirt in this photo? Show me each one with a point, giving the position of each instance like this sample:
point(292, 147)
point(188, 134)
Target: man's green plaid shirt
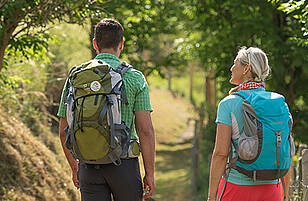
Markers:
point(136, 89)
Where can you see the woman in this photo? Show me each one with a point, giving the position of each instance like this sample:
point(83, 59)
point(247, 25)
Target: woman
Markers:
point(249, 72)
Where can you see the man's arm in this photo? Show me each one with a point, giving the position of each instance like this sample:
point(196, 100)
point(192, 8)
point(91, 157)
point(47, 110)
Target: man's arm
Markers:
point(72, 162)
point(145, 132)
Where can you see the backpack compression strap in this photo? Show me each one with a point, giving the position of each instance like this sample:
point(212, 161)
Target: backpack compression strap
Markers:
point(122, 69)
point(112, 129)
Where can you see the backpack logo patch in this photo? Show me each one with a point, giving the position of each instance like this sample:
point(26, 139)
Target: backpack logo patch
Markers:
point(95, 86)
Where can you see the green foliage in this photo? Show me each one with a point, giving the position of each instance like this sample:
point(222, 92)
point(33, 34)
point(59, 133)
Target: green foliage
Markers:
point(69, 48)
point(18, 100)
point(299, 11)
point(8, 90)
point(227, 25)
point(27, 46)
point(23, 28)
point(150, 30)
point(219, 28)
point(160, 37)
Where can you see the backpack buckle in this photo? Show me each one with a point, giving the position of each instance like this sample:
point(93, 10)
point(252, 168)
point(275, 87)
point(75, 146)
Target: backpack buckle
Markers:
point(109, 100)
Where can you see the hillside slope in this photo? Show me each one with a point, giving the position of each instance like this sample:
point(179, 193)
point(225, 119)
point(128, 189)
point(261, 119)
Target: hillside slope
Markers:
point(29, 169)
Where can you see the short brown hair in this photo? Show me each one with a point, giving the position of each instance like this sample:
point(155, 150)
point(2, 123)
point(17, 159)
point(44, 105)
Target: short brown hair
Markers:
point(108, 34)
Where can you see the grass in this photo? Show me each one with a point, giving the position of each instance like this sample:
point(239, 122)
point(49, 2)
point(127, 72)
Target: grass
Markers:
point(170, 114)
point(29, 169)
point(180, 84)
point(173, 177)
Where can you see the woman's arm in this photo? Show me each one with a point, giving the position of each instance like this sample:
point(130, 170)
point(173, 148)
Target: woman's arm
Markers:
point(219, 158)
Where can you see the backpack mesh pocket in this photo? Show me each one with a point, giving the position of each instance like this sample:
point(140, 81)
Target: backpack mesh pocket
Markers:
point(248, 144)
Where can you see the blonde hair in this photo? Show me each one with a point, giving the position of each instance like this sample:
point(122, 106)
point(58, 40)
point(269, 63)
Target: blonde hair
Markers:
point(257, 60)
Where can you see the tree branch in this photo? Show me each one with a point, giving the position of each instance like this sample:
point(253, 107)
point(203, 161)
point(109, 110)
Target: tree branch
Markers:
point(101, 9)
point(2, 3)
point(21, 30)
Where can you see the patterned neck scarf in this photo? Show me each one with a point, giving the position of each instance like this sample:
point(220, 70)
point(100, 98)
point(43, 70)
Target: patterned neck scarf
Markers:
point(247, 85)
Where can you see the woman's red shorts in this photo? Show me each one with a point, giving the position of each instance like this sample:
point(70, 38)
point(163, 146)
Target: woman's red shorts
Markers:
point(263, 192)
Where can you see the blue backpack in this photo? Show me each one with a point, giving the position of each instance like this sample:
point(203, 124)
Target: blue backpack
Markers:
point(265, 147)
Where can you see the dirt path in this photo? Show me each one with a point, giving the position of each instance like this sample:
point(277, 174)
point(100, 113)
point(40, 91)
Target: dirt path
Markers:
point(173, 167)
point(173, 145)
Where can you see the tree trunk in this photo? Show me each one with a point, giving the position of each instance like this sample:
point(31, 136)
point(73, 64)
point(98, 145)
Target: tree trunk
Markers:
point(4, 44)
point(6, 34)
point(305, 173)
point(291, 93)
point(91, 36)
point(195, 160)
point(169, 79)
point(210, 90)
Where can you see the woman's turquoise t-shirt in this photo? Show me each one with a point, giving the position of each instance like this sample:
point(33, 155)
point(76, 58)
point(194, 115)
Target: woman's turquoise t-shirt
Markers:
point(229, 112)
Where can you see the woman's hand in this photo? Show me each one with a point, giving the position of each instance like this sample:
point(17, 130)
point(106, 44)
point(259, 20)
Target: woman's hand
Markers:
point(211, 199)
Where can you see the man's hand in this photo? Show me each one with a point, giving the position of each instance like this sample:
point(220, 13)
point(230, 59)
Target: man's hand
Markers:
point(149, 186)
point(145, 132)
point(75, 176)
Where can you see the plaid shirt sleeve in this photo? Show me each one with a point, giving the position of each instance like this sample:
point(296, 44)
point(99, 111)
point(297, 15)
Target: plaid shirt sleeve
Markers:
point(142, 99)
point(62, 106)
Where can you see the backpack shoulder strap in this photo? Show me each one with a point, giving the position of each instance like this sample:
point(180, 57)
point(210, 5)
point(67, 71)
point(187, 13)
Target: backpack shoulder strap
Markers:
point(123, 68)
point(67, 81)
point(242, 94)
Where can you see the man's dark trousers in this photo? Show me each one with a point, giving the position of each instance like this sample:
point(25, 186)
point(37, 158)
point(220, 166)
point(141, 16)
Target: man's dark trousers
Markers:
point(98, 182)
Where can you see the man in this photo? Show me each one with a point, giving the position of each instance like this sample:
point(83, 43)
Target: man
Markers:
point(98, 182)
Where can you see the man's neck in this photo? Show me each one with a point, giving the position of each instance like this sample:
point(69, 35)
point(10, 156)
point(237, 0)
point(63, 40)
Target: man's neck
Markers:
point(111, 51)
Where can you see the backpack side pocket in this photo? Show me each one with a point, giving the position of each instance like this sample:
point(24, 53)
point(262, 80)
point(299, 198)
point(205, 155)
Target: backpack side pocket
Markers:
point(250, 141)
